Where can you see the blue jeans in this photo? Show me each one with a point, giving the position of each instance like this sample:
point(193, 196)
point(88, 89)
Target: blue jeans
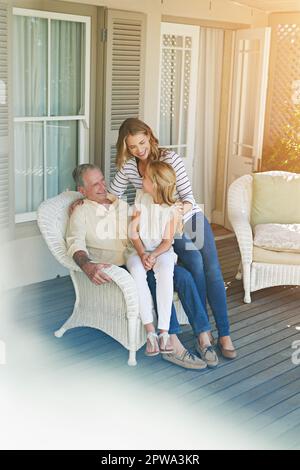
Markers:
point(197, 252)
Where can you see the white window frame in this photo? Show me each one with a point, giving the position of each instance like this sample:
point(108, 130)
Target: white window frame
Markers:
point(84, 119)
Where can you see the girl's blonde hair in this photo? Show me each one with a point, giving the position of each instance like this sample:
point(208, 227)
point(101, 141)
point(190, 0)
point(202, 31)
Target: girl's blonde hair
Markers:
point(163, 178)
point(133, 126)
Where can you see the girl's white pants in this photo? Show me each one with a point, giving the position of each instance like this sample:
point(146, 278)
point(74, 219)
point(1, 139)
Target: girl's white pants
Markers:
point(163, 272)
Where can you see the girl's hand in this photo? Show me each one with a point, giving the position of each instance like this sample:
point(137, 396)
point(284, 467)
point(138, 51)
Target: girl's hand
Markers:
point(74, 204)
point(151, 260)
point(145, 260)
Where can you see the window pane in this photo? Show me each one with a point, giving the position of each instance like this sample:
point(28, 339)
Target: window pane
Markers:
point(188, 42)
point(172, 63)
point(185, 97)
point(171, 40)
point(62, 151)
point(29, 173)
point(30, 66)
point(67, 68)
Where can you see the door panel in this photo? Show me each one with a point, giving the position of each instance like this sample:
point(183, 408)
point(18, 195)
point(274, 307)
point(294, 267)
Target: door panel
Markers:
point(249, 90)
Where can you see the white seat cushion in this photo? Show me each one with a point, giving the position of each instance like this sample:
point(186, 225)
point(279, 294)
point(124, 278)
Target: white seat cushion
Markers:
point(275, 257)
point(278, 237)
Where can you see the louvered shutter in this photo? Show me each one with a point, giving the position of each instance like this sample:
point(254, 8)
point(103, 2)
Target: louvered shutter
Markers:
point(124, 88)
point(5, 218)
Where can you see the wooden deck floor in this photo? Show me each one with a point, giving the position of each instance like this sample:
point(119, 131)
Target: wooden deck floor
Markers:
point(260, 391)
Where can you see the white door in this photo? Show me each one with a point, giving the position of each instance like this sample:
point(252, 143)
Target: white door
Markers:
point(178, 89)
point(250, 80)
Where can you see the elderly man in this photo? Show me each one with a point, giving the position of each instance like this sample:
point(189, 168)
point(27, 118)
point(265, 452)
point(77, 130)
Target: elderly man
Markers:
point(97, 237)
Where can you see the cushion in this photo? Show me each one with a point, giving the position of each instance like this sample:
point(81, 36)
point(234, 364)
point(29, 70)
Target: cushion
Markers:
point(275, 199)
point(278, 237)
point(275, 257)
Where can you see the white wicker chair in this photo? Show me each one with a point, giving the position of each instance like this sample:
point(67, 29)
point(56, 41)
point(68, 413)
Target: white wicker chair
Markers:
point(255, 275)
point(111, 307)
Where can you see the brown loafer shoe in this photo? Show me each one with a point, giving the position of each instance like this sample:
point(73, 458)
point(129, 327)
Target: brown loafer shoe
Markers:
point(185, 359)
point(227, 353)
point(208, 355)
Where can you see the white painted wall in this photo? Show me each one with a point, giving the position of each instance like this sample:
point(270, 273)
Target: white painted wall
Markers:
point(27, 260)
point(216, 10)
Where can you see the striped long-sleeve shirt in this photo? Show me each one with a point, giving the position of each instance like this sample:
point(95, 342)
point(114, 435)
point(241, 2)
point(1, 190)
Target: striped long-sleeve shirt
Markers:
point(129, 173)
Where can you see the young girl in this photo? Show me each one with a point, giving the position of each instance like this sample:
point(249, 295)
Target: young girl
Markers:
point(151, 231)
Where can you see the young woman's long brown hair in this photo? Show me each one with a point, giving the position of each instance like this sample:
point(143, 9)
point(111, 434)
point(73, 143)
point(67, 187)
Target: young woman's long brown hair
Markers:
point(133, 126)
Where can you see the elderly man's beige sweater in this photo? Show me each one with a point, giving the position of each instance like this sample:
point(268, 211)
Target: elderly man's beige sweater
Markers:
point(99, 230)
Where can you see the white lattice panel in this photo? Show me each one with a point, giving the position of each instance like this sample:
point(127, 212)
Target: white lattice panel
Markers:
point(175, 90)
point(286, 85)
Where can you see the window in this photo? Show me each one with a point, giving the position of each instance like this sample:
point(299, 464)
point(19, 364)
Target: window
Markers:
point(178, 88)
point(4, 125)
point(51, 74)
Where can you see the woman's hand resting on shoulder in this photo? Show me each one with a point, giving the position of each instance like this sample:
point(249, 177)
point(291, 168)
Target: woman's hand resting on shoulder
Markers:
point(179, 207)
point(74, 204)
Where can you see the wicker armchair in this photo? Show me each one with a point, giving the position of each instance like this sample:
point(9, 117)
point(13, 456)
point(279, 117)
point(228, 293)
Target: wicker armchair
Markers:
point(256, 275)
point(111, 307)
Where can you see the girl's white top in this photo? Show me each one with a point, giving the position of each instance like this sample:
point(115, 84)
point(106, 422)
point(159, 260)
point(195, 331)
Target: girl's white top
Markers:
point(153, 220)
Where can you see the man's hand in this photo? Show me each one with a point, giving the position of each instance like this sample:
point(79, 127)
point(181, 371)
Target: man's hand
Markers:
point(95, 273)
point(92, 270)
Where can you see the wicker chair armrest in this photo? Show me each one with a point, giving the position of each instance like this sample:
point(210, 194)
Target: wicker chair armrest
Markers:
point(49, 223)
point(128, 287)
point(239, 210)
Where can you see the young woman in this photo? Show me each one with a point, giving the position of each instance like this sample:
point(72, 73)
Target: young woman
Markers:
point(152, 231)
point(136, 147)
